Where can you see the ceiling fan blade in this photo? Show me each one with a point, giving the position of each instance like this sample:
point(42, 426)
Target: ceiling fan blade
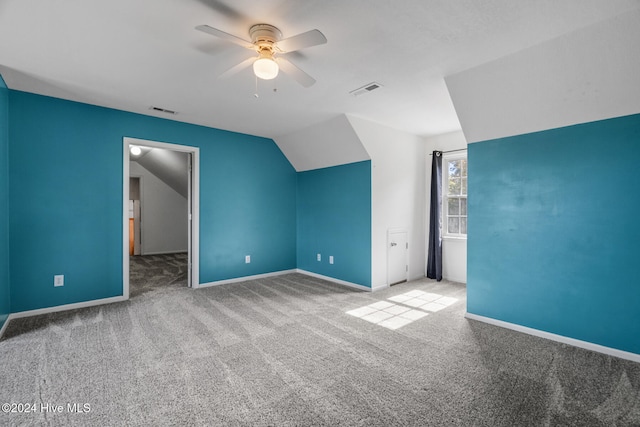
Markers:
point(308, 39)
point(236, 69)
point(226, 36)
point(295, 73)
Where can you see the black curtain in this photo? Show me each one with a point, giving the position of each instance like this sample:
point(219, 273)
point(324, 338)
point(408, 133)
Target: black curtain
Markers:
point(434, 260)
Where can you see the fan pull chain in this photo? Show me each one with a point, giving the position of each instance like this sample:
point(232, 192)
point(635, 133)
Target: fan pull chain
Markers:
point(256, 94)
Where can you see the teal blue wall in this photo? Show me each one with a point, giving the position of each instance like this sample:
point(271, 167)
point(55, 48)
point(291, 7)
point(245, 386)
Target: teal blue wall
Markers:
point(5, 302)
point(66, 199)
point(554, 231)
point(334, 218)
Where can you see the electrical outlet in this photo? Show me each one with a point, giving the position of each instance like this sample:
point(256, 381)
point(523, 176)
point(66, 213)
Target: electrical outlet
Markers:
point(330, 259)
point(319, 257)
point(247, 259)
point(58, 280)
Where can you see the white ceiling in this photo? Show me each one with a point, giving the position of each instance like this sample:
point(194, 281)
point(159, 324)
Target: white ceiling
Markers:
point(587, 75)
point(133, 54)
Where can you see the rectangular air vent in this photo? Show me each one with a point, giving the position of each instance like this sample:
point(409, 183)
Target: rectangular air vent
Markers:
point(163, 110)
point(366, 89)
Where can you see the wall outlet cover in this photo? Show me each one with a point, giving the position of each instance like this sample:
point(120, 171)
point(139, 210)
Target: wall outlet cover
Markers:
point(58, 280)
point(247, 259)
point(319, 257)
point(330, 259)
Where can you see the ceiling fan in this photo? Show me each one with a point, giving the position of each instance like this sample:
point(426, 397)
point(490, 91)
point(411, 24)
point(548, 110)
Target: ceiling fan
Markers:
point(267, 42)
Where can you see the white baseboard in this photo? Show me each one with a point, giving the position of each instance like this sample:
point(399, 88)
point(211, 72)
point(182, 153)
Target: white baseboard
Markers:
point(379, 287)
point(455, 280)
point(280, 273)
point(558, 338)
point(66, 307)
point(244, 279)
point(338, 281)
point(4, 327)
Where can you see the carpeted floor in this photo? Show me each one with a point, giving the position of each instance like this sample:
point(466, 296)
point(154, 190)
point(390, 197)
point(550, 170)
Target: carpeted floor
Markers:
point(298, 351)
point(149, 272)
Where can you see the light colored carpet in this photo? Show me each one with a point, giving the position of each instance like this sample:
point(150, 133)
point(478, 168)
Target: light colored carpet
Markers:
point(285, 351)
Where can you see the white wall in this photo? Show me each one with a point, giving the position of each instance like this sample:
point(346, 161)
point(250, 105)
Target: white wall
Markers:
point(323, 145)
point(169, 165)
point(164, 214)
point(398, 194)
point(454, 251)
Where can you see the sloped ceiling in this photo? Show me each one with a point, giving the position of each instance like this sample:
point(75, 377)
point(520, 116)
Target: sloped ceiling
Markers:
point(169, 166)
point(590, 74)
point(131, 55)
point(323, 145)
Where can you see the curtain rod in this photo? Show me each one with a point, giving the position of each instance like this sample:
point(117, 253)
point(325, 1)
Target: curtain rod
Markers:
point(450, 151)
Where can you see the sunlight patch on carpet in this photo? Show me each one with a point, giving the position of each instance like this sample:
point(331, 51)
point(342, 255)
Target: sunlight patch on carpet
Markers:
point(408, 307)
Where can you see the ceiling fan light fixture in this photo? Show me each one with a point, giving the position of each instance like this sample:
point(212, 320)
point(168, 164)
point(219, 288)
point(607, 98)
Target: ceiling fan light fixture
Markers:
point(267, 41)
point(265, 68)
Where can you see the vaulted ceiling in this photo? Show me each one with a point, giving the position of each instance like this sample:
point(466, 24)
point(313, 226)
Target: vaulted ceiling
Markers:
point(170, 167)
point(132, 55)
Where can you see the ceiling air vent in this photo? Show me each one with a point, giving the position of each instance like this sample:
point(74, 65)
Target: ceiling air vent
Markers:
point(365, 89)
point(163, 110)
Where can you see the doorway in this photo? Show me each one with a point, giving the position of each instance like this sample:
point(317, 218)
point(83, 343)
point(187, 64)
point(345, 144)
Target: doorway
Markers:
point(191, 193)
point(397, 256)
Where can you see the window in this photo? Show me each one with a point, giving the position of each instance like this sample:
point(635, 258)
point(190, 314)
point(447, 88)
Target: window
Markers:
point(454, 195)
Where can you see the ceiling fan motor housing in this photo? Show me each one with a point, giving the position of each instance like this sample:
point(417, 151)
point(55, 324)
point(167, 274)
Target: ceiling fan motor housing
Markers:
point(264, 35)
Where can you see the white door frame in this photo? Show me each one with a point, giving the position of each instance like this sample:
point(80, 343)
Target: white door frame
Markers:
point(140, 177)
point(194, 250)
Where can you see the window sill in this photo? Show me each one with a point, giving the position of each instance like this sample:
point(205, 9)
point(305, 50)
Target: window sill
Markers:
point(459, 238)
